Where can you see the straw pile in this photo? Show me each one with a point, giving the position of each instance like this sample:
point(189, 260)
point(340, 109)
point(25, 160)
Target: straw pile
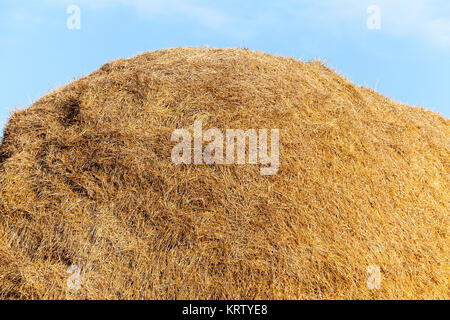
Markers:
point(86, 180)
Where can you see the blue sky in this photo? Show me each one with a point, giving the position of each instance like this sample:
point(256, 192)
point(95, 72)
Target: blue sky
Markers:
point(407, 59)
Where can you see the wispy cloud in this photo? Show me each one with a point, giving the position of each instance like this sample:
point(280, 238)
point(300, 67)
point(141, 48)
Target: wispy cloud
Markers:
point(198, 10)
point(425, 20)
point(20, 16)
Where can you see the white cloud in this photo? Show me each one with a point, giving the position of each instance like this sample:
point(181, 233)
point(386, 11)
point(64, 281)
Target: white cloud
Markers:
point(438, 31)
point(429, 20)
point(204, 14)
point(20, 16)
point(425, 20)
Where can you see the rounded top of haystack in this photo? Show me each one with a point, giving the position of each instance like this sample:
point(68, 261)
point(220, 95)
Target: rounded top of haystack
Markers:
point(87, 178)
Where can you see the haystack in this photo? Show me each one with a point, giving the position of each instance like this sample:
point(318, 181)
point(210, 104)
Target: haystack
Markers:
point(358, 208)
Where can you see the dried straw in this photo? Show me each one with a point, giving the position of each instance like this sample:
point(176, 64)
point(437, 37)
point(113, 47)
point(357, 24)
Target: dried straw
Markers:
point(86, 179)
